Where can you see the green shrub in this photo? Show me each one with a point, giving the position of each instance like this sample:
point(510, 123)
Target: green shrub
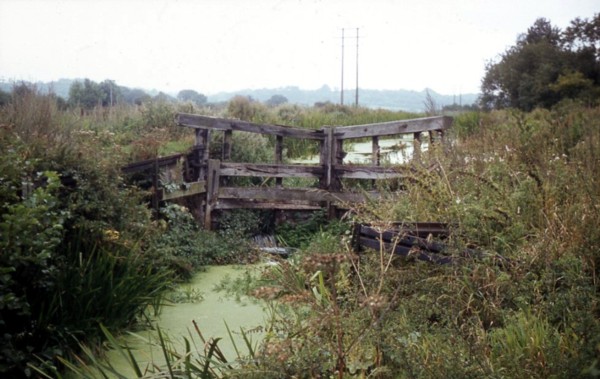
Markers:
point(70, 240)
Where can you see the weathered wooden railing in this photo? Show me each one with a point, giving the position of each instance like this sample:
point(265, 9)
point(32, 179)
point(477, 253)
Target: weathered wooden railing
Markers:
point(425, 241)
point(208, 173)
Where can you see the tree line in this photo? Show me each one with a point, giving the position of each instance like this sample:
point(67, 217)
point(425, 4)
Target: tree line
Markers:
point(88, 94)
point(545, 66)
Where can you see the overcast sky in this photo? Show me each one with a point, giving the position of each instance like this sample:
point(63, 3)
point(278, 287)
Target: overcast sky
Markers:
point(226, 45)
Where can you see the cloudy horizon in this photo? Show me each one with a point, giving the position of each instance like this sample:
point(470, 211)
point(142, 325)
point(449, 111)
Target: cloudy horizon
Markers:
point(224, 46)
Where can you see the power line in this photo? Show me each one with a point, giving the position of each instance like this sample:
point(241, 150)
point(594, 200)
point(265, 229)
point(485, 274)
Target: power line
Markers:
point(356, 100)
point(342, 91)
point(343, 57)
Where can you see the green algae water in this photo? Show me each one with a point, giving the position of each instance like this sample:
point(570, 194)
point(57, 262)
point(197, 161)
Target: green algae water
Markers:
point(210, 315)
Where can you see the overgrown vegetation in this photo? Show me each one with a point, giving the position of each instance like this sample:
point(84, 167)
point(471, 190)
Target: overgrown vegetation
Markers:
point(521, 185)
point(79, 246)
point(81, 249)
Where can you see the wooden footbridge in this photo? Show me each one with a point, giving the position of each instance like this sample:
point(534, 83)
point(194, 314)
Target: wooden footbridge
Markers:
point(206, 178)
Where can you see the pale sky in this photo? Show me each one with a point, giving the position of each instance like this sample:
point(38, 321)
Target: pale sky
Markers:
point(227, 45)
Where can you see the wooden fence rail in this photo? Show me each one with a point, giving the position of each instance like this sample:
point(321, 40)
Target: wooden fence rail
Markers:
point(207, 177)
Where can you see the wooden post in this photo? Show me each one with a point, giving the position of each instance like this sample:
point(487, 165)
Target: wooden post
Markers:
point(325, 159)
point(332, 154)
point(227, 136)
point(202, 146)
point(155, 186)
point(279, 158)
point(212, 190)
point(417, 146)
point(376, 157)
point(431, 140)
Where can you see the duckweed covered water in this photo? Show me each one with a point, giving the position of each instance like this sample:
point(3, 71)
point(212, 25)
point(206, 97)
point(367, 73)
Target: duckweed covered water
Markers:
point(210, 314)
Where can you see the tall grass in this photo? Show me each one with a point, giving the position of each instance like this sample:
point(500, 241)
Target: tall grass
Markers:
point(521, 185)
point(70, 233)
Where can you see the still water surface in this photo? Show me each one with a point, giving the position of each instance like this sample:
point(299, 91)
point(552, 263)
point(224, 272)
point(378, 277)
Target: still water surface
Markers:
point(211, 313)
point(392, 151)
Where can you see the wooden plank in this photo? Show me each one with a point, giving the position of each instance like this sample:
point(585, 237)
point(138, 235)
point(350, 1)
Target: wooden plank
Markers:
point(394, 127)
point(423, 229)
point(329, 158)
point(405, 251)
point(368, 172)
point(256, 204)
point(403, 238)
point(337, 156)
point(190, 189)
point(291, 194)
point(323, 161)
point(279, 157)
point(151, 163)
point(212, 190)
point(202, 150)
point(270, 170)
point(206, 122)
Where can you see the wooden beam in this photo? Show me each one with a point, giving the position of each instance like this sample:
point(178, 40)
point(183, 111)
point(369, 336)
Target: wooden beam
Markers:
point(206, 122)
point(212, 191)
point(255, 204)
point(189, 189)
point(151, 163)
point(291, 194)
point(394, 127)
point(368, 172)
point(279, 157)
point(271, 170)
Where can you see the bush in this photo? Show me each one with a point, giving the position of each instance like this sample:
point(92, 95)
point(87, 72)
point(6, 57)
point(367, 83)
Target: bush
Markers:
point(185, 248)
point(70, 239)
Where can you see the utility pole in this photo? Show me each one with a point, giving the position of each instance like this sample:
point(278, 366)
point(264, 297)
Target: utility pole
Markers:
point(343, 47)
point(356, 100)
point(342, 91)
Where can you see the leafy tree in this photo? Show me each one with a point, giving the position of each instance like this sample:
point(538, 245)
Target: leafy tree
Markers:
point(545, 66)
point(163, 97)
point(276, 100)
point(111, 93)
point(191, 95)
point(87, 95)
point(4, 98)
point(584, 35)
point(134, 96)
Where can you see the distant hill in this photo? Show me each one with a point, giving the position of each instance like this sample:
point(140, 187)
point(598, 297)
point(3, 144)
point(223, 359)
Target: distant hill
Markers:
point(407, 100)
point(59, 87)
point(412, 101)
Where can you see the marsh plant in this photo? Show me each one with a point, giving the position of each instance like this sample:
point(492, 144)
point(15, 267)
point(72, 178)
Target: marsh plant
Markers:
point(520, 185)
point(80, 250)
